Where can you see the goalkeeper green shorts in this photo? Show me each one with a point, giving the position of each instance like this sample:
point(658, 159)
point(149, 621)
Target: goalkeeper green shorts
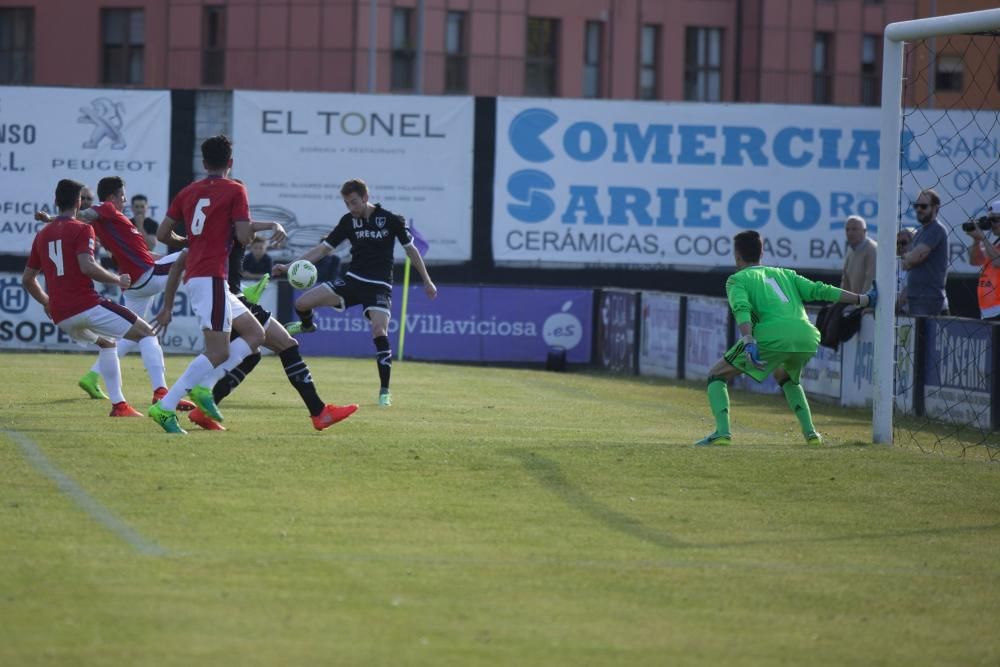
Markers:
point(792, 362)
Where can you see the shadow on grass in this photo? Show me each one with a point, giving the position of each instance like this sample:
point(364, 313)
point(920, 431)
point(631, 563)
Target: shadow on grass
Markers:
point(548, 473)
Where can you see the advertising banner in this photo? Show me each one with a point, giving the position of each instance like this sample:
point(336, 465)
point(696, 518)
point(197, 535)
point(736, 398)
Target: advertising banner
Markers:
point(906, 331)
point(616, 331)
point(25, 326)
point(707, 335)
point(641, 183)
point(957, 365)
point(858, 356)
point(295, 150)
point(47, 134)
point(659, 334)
point(486, 324)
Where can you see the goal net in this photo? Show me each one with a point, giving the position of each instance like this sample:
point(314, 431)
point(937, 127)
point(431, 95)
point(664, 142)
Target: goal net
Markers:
point(936, 378)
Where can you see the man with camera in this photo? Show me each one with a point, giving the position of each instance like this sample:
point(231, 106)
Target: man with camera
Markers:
point(985, 254)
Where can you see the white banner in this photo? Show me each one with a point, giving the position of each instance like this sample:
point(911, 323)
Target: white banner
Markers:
point(295, 150)
point(707, 326)
point(47, 134)
point(658, 339)
point(25, 326)
point(658, 184)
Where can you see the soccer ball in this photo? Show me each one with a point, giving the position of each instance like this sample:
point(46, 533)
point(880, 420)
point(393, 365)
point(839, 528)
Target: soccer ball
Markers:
point(302, 274)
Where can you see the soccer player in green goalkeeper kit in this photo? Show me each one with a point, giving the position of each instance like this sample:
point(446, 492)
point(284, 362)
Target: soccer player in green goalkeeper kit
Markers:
point(777, 336)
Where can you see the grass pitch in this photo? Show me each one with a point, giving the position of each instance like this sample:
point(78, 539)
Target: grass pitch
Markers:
point(489, 517)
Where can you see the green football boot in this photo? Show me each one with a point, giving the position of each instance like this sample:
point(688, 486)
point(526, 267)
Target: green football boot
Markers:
point(297, 328)
point(715, 440)
point(202, 397)
point(165, 418)
point(90, 383)
point(384, 399)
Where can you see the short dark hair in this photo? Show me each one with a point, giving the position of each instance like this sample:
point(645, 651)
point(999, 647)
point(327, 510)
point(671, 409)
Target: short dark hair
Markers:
point(932, 195)
point(109, 185)
point(748, 246)
point(68, 193)
point(354, 186)
point(136, 198)
point(217, 151)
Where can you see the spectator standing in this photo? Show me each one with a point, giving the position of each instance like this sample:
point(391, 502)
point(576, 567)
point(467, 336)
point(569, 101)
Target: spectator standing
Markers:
point(986, 255)
point(256, 263)
point(859, 263)
point(927, 262)
point(904, 242)
point(144, 223)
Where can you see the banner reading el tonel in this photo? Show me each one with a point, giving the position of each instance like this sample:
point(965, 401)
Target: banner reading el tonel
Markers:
point(47, 134)
point(295, 150)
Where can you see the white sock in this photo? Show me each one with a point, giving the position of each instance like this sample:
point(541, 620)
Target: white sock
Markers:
point(191, 376)
point(111, 372)
point(152, 359)
point(238, 351)
point(123, 346)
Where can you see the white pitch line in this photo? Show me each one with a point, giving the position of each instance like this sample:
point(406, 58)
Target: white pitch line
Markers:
point(94, 509)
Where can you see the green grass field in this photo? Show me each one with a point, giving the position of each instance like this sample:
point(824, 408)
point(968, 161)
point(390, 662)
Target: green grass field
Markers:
point(490, 517)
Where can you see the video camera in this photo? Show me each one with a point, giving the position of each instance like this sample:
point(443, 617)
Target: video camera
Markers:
point(984, 223)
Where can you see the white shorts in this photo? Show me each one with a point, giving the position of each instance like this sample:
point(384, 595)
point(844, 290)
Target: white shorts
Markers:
point(152, 283)
point(213, 304)
point(107, 319)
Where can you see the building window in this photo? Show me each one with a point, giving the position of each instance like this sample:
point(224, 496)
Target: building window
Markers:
point(540, 60)
point(592, 39)
point(213, 46)
point(949, 75)
point(456, 58)
point(822, 74)
point(703, 64)
point(871, 70)
point(403, 51)
point(649, 48)
point(123, 36)
point(17, 45)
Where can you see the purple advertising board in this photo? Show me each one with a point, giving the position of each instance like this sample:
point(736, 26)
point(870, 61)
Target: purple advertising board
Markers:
point(958, 358)
point(467, 323)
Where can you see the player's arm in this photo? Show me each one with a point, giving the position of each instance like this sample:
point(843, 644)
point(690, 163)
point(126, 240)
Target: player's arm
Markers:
point(162, 319)
point(418, 263)
point(165, 233)
point(278, 234)
point(94, 271)
point(814, 290)
point(314, 254)
point(244, 232)
point(29, 280)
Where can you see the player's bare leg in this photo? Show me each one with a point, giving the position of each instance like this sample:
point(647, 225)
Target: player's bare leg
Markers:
point(320, 295)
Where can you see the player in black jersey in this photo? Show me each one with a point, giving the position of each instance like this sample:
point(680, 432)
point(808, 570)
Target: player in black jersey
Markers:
point(275, 338)
point(372, 232)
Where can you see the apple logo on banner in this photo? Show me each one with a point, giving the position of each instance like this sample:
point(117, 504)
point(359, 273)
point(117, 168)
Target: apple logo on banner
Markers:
point(563, 329)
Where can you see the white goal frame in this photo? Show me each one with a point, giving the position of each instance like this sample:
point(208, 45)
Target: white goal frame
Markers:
point(888, 192)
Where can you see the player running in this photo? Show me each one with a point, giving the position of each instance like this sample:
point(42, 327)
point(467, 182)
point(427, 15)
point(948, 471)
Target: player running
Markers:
point(64, 252)
point(131, 255)
point(372, 231)
point(777, 336)
point(276, 339)
point(214, 210)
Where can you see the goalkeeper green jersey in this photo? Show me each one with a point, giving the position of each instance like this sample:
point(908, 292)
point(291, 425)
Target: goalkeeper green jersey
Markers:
point(771, 300)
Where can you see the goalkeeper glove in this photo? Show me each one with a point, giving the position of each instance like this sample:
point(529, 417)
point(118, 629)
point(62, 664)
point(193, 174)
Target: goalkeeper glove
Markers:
point(752, 352)
point(869, 298)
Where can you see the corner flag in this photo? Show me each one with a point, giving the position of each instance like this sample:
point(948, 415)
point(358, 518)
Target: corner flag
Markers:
point(422, 246)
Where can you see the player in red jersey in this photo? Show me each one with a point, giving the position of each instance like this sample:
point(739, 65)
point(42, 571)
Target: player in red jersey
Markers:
point(131, 254)
point(214, 210)
point(63, 251)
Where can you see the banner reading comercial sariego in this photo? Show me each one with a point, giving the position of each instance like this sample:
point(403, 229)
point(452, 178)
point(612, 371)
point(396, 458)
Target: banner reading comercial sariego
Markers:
point(670, 183)
point(295, 150)
point(47, 134)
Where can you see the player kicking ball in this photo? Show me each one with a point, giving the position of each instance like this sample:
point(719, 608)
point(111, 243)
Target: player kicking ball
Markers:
point(777, 336)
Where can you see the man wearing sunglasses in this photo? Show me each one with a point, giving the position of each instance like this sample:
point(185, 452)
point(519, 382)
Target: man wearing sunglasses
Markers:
point(927, 262)
point(986, 255)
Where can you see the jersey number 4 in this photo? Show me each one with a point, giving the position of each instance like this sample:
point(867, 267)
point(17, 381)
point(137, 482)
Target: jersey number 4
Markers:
point(56, 255)
point(198, 223)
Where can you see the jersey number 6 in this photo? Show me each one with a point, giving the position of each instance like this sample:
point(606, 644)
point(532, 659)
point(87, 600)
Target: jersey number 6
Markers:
point(198, 223)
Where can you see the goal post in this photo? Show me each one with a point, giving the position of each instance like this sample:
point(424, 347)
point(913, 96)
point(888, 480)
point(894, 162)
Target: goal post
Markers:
point(889, 192)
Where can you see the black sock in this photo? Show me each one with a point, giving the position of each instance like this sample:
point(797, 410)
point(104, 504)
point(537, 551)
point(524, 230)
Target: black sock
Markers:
point(298, 374)
point(233, 378)
point(306, 316)
point(384, 358)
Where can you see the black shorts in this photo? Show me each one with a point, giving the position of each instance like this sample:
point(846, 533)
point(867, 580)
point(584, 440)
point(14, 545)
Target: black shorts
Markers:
point(354, 292)
point(261, 314)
